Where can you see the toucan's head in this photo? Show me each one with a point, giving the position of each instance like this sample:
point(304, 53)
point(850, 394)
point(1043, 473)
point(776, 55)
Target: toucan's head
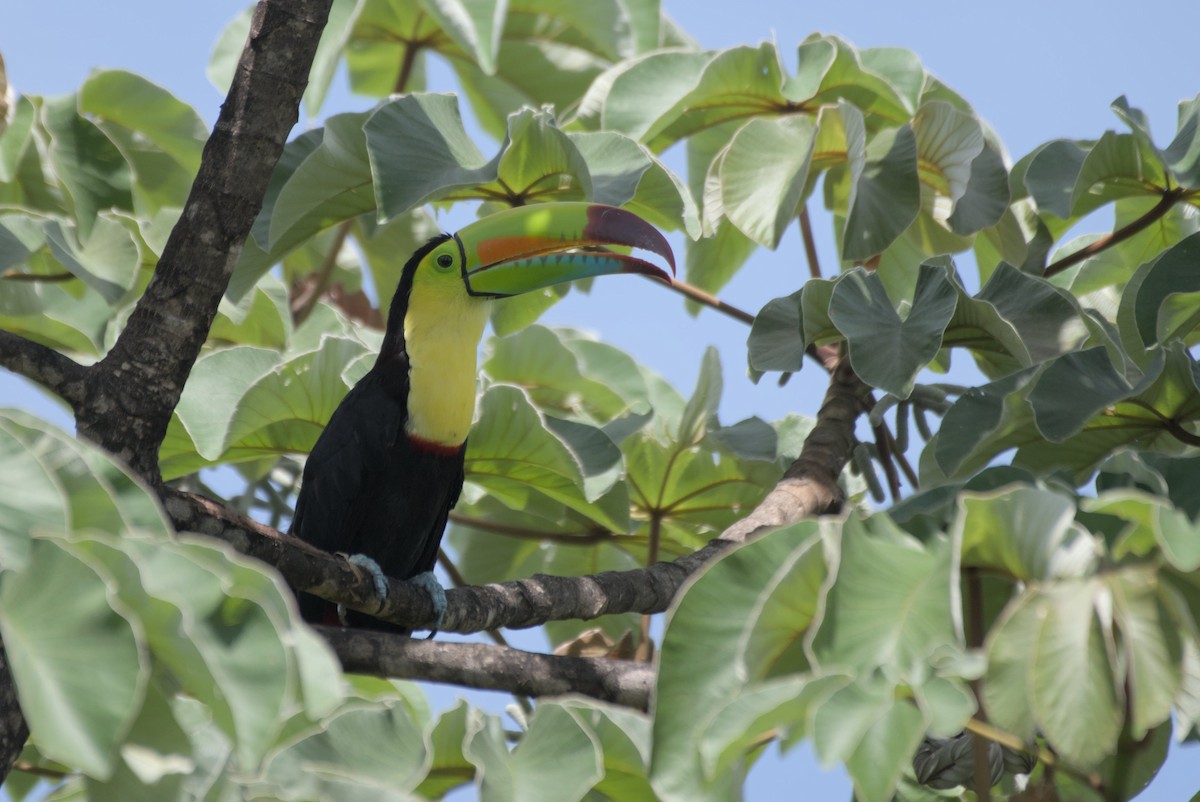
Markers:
point(441, 305)
point(530, 247)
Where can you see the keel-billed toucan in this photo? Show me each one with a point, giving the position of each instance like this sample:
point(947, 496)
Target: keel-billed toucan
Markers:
point(388, 467)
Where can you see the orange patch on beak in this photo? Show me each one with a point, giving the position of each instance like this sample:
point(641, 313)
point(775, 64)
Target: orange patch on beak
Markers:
point(500, 249)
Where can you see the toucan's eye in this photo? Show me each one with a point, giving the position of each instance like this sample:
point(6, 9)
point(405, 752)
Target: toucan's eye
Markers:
point(445, 260)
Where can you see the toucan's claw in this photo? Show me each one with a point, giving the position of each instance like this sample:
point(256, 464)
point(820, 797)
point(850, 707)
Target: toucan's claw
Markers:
point(437, 593)
point(371, 567)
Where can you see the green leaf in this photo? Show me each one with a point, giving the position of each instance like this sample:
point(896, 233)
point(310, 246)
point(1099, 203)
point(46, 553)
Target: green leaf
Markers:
point(107, 262)
point(156, 757)
point(17, 134)
point(624, 173)
point(1049, 672)
point(475, 25)
point(449, 768)
point(557, 759)
point(271, 407)
point(1029, 534)
point(980, 422)
point(985, 202)
point(701, 408)
point(763, 175)
point(712, 261)
point(885, 194)
point(852, 78)
point(891, 602)
point(538, 154)
point(79, 664)
point(1171, 272)
point(733, 82)
point(887, 351)
point(638, 91)
point(1047, 319)
point(742, 617)
point(139, 105)
point(343, 14)
point(419, 151)
point(776, 339)
point(92, 170)
point(32, 496)
point(511, 453)
point(331, 184)
point(885, 751)
point(1072, 389)
point(558, 381)
point(380, 750)
point(1052, 174)
point(1151, 646)
point(1183, 154)
point(948, 141)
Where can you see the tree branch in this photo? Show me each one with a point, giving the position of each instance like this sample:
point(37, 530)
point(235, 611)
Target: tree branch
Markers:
point(59, 374)
point(1169, 198)
point(131, 393)
point(493, 668)
point(13, 729)
point(808, 488)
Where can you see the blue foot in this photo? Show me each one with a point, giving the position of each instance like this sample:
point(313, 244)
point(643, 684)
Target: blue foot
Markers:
point(435, 590)
point(371, 567)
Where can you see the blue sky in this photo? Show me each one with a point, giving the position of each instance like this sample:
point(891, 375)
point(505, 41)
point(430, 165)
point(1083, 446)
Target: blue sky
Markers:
point(1034, 71)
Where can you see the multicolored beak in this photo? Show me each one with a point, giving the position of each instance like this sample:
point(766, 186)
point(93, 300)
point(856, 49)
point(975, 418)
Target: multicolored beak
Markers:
point(530, 247)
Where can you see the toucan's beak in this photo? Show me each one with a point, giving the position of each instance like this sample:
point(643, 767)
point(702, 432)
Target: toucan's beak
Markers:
point(530, 247)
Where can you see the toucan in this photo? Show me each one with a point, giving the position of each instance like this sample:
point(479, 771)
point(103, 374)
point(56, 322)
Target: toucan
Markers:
point(388, 467)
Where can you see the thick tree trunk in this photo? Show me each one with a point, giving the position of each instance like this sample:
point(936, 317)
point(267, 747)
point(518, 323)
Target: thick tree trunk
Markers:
point(132, 392)
point(124, 402)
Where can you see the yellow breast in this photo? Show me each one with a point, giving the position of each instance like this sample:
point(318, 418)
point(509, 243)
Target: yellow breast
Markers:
point(441, 333)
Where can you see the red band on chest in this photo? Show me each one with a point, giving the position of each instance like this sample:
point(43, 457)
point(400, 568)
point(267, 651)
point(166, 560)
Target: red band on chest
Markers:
point(430, 447)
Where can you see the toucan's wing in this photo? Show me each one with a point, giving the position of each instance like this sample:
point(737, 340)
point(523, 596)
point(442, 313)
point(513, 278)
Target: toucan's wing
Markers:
point(338, 476)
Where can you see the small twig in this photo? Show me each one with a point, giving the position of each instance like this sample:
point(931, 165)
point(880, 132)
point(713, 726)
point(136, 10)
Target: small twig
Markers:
point(17, 275)
point(883, 445)
point(1044, 756)
point(26, 767)
point(303, 305)
point(1169, 198)
point(810, 244)
point(707, 299)
point(585, 538)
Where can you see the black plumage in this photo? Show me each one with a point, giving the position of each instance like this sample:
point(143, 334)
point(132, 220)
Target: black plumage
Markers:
point(368, 488)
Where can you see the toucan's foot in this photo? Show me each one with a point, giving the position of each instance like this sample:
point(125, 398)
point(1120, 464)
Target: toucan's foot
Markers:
point(371, 567)
point(435, 590)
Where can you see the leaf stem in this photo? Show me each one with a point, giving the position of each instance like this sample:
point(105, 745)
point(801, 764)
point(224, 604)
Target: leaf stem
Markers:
point(707, 299)
point(586, 537)
point(302, 306)
point(1169, 198)
point(16, 275)
point(1045, 756)
point(810, 244)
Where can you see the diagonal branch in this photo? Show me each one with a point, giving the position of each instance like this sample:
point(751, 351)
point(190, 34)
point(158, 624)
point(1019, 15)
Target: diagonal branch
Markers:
point(56, 372)
point(808, 488)
point(1169, 198)
point(131, 393)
